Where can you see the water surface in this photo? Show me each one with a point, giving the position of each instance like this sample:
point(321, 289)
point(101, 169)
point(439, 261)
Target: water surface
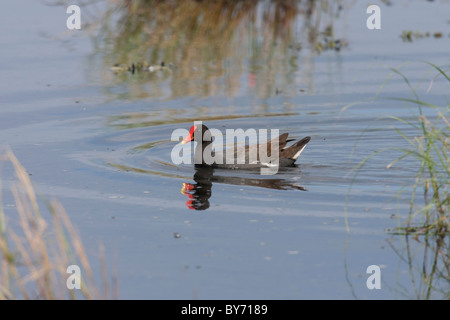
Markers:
point(100, 142)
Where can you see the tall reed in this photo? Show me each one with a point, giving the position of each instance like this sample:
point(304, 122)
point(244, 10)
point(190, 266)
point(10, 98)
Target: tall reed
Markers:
point(35, 254)
point(429, 147)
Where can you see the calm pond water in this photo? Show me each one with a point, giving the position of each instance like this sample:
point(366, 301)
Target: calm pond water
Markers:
point(99, 141)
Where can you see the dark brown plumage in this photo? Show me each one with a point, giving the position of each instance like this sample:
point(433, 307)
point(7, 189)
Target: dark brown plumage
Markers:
point(286, 155)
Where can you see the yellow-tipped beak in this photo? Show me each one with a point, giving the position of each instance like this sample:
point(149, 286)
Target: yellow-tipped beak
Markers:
point(183, 142)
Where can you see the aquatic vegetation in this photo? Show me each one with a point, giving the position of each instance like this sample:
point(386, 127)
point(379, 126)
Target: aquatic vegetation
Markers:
point(429, 148)
point(424, 140)
point(409, 35)
point(427, 262)
point(210, 45)
point(40, 259)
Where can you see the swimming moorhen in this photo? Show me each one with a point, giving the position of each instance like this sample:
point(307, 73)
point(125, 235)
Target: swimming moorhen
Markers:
point(254, 158)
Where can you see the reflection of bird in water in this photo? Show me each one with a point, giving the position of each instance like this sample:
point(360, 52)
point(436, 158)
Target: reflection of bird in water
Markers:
point(200, 192)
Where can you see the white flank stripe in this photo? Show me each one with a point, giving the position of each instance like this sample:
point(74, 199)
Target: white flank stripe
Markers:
point(298, 153)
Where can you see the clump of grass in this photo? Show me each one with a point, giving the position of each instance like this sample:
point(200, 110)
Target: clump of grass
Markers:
point(429, 147)
point(35, 254)
point(428, 218)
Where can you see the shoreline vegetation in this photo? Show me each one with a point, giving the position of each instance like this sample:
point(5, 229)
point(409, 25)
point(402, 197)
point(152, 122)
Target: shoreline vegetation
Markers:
point(36, 254)
point(429, 148)
point(427, 226)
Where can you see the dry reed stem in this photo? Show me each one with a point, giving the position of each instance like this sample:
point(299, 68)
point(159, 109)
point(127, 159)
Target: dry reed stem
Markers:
point(33, 263)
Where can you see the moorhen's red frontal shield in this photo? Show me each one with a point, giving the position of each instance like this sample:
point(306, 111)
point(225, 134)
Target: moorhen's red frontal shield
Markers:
point(190, 136)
